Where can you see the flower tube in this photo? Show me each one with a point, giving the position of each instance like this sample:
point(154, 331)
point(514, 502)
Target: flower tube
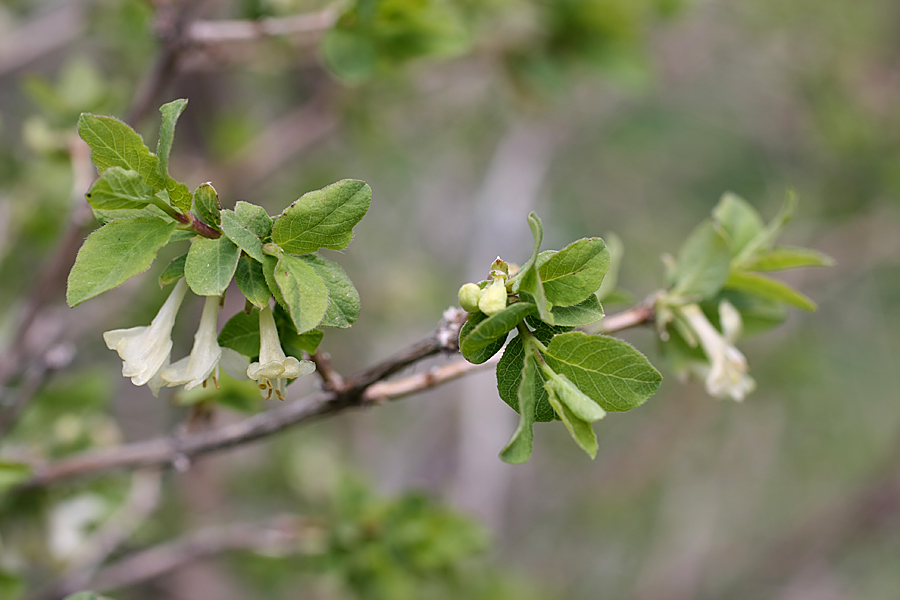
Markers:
point(274, 367)
point(145, 350)
point(195, 369)
point(727, 375)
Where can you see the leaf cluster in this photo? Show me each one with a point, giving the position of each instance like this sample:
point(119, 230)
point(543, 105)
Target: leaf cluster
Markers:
point(142, 209)
point(548, 371)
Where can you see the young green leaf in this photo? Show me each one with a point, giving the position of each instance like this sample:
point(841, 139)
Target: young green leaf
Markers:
point(609, 371)
point(241, 333)
point(210, 265)
point(206, 202)
point(324, 218)
point(767, 237)
point(254, 218)
point(115, 144)
point(252, 281)
point(580, 430)
point(500, 324)
point(170, 113)
point(118, 189)
point(586, 312)
point(343, 299)
point(269, 263)
point(532, 290)
point(114, 254)
point(739, 220)
point(785, 257)
point(518, 449)
point(703, 263)
point(575, 400)
point(509, 375)
point(483, 354)
point(575, 272)
point(237, 229)
point(304, 292)
point(173, 271)
point(537, 232)
point(769, 288)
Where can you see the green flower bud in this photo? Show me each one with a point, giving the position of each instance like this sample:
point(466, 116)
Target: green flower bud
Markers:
point(499, 266)
point(493, 298)
point(469, 295)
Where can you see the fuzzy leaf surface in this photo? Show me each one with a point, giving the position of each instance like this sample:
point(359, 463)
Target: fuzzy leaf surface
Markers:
point(210, 265)
point(252, 281)
point(483, 354)
point(114, 254)
point(500, 324)
point(304, 292)
point(206, 201)
point(118, 189)
point(611, 372)
point(518, 449)
point(509, 375)
point(241, 333)
point(173, 271)
point(324, 218)
point(343, 299)
point(575, 272)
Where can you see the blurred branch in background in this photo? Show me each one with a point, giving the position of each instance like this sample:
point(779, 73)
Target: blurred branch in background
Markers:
point(42, 35)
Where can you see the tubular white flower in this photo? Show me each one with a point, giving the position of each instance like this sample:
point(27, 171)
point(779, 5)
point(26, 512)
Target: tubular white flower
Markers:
point(274, 367)
point(727, 375)
point(145, 350)
point(194, 369)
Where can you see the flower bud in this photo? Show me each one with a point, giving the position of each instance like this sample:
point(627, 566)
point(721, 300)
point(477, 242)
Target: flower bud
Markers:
point(499, 266)
point(469, 295)
point(493, 298)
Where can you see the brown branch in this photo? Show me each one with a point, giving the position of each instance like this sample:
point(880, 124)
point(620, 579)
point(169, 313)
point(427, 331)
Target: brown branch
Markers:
point(280, 535)
point(358, 391)
point(331, 379)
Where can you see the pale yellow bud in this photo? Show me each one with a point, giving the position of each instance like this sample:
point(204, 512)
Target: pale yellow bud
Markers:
point(469, 295)
point(493, 298)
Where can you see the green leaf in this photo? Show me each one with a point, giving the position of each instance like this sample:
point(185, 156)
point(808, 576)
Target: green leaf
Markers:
point(12, 474)
point(118, 189)
point(518, 449)
point(580, 430)
point(739, 220)
point(486, 332)
point(238, 231)
point(304, 292)
point(616, 250)
point(586, 312)
point(767, 237)
point(241, 333)
point(537, 232)
point(769, 288)
point(252, 281)
point(703, 263)
point(114, 254)
point(182, 235)
point(583, 407)
point(179, 195)
point(575, 272)
point(254, 218)
point(343, 299)
point(483, 354)
point(292, 343)
point(170, 113)
point(609, 371)
point(531, 288)
point(785, 257)
point(173, 271)
point(509, 375)
point(324, 218)
point(210, 265)
point(115, 144)
point(206, 201)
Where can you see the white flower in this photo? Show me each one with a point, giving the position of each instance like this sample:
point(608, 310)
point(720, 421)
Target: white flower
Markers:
point(145, 350)
point(273, 364)
point(727, 375)
point(206, 354)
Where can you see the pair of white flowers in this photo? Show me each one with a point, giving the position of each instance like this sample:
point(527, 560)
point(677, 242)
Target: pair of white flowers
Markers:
point(726, 374)
point(146, 352)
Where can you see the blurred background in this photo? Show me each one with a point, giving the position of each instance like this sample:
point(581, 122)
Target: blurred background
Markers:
point(622, 116)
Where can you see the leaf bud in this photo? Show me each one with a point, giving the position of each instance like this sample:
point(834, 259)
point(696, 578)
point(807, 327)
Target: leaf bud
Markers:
point(469, 295)
point(498, 267)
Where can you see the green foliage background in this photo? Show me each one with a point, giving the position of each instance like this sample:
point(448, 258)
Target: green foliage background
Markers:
point(635, 116)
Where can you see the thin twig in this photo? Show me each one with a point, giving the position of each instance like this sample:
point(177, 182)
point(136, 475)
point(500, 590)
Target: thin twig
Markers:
point(331, 379)
point(279, 535)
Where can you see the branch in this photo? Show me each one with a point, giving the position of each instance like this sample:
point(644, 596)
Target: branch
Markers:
point(362, 390)
point(216, 32)
point(278, 535)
